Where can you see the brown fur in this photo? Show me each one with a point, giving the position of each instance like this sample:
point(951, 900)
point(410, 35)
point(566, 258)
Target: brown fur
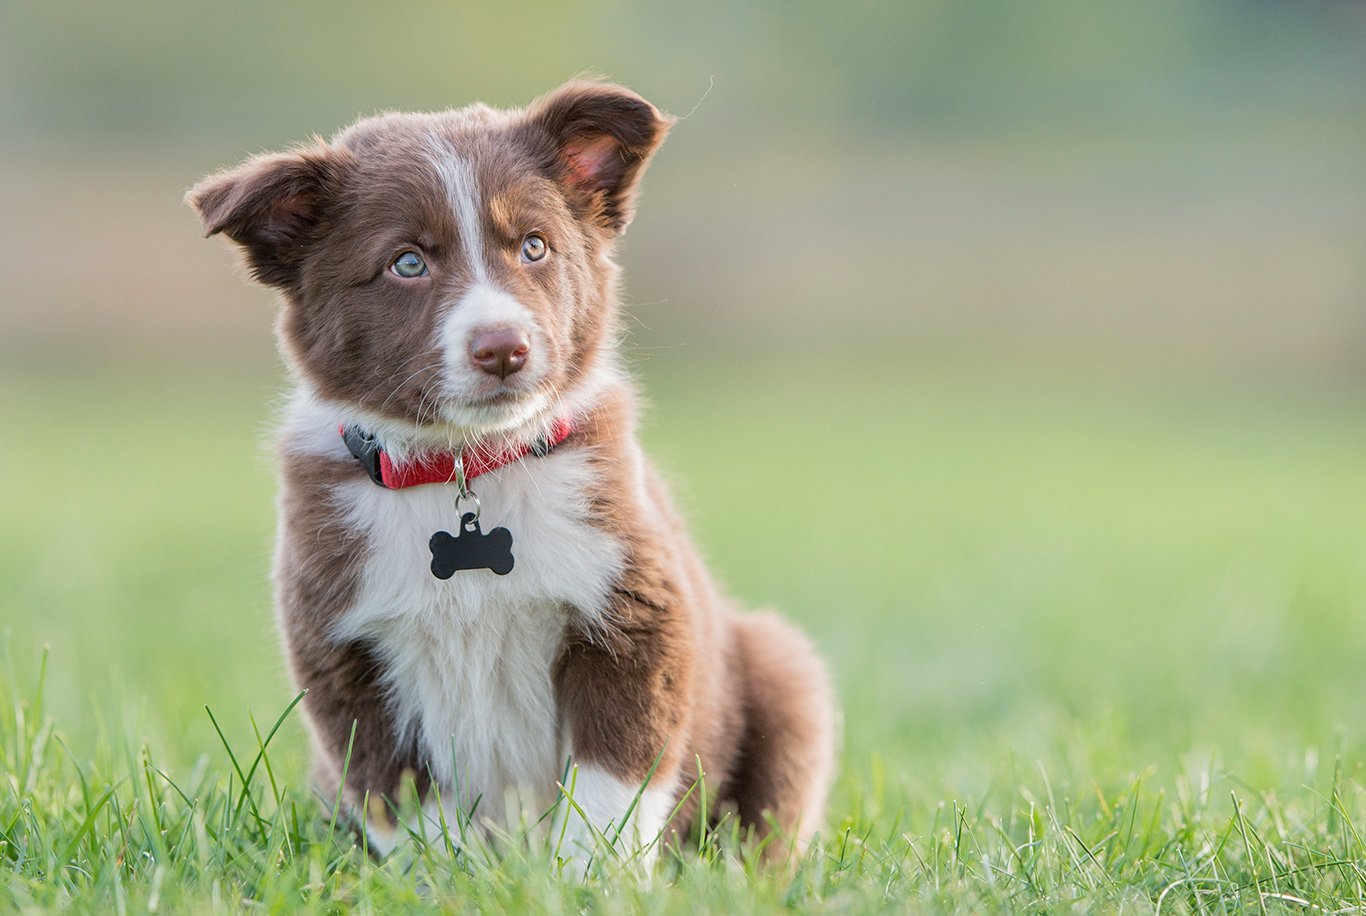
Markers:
point(316, 575)
point(673, 673)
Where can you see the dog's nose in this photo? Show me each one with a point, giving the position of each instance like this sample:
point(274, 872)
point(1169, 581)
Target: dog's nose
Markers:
point(499, 351)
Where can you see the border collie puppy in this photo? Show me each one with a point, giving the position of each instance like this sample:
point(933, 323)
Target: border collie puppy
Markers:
point(478, 572)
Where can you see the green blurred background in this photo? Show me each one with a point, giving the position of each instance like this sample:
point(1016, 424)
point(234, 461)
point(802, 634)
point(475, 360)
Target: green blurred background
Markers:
point(1015, 349)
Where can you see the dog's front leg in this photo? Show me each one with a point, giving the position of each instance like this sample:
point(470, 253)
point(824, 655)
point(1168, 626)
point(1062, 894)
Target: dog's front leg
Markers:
point(623, 699)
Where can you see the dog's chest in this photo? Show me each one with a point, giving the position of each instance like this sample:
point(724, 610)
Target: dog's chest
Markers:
point(468, 659)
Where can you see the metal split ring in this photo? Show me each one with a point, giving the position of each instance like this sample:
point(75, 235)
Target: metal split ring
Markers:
point(467, 494)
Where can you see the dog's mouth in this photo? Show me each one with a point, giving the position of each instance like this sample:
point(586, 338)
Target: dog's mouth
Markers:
point(510, 395)
point(503, 396)
point(500, 408)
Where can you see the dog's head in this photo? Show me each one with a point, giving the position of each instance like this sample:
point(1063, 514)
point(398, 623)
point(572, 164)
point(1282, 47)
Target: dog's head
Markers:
point(452, 270)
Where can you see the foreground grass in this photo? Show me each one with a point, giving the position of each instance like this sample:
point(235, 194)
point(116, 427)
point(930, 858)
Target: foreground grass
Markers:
point(119, 831)
point(1097, 643)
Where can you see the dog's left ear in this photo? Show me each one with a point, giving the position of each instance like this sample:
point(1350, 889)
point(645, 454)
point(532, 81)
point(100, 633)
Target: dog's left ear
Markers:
point(598, 138)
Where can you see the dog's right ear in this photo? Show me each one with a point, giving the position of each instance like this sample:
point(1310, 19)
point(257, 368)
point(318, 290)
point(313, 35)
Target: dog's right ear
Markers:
point(272, 206)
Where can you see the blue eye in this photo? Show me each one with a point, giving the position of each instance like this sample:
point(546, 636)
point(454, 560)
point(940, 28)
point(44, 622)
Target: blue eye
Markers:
point(534, 248)
point(409, 265)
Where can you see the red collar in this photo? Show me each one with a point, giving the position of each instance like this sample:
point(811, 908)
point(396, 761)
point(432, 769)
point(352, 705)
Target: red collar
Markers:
point(442, 466)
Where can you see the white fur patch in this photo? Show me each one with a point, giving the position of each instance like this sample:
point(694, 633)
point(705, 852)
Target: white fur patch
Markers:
point(463, 194)
point(468, 660)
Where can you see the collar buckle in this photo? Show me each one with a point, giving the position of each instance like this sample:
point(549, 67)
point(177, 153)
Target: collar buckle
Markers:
point(367, 451)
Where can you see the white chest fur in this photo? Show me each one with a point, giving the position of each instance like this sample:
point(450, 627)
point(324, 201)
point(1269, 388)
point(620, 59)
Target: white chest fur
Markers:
point(468, 659)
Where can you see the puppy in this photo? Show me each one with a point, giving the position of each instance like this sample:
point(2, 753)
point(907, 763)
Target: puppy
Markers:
point(480, 580)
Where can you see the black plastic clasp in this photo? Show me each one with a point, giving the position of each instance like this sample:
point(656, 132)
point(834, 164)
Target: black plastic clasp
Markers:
point(367, 451)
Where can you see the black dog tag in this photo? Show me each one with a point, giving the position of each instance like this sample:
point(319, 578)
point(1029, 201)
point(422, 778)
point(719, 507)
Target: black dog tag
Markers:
point(471, 549)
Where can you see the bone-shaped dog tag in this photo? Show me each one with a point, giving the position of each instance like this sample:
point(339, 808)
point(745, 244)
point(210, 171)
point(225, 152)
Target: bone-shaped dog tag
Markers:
point(471, 549)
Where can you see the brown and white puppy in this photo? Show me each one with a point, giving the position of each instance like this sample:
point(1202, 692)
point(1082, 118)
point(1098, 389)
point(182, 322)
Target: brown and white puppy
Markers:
point(448, 283)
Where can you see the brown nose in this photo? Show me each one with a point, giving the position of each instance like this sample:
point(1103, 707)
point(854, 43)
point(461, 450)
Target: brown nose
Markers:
point(500, 351)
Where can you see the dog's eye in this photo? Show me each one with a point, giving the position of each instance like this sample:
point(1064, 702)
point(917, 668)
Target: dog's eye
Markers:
point(409, 265)
point(534, 248)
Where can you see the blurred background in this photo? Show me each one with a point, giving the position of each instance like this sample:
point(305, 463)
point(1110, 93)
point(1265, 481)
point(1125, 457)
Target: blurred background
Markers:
point(1017, 350)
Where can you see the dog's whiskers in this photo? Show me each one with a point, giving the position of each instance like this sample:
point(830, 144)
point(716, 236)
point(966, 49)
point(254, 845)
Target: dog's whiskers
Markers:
point(399, 387)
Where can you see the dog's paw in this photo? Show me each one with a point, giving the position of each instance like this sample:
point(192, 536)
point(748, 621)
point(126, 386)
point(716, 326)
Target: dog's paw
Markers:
point(610, 823)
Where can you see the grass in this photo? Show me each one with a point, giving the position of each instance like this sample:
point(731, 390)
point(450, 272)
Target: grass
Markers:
point(1097, 640)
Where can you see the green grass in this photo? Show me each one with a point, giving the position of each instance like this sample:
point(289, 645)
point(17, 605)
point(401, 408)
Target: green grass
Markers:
point(1098, 643)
